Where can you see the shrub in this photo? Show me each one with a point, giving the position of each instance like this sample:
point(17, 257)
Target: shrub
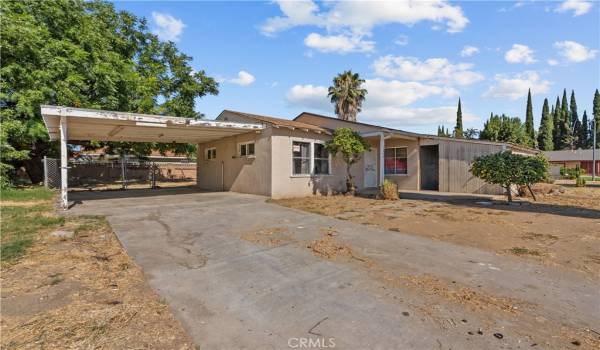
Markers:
point(351, 146)
point(389, 190)
point(507, 169)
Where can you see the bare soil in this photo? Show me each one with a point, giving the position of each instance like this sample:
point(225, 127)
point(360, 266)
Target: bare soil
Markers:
point(83, 293)
point(560, 229)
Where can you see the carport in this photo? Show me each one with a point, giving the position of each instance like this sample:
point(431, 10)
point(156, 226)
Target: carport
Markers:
point(78, 124)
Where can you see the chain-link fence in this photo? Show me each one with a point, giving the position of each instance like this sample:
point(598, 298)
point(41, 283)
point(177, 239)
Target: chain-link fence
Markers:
point(115, 174)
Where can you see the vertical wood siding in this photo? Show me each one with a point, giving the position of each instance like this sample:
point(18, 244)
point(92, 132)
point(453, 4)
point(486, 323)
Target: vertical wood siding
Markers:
point(455, 162)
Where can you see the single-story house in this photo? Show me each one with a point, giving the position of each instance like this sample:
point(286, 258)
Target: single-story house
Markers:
point(277, 157)
point(287, 158)
point(571, 159)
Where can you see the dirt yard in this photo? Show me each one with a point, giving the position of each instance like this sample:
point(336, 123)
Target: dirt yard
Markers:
point(559, 229)
point(80, 292)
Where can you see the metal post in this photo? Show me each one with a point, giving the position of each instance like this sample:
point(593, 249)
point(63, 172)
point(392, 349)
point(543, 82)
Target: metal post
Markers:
point(123, 186)
point(63, 162)
point(381, 159)
point(45, 172)
point(594, 152)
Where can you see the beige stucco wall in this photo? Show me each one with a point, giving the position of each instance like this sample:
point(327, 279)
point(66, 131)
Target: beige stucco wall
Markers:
point(284, 184)
point(239, 174)
point(410, 181)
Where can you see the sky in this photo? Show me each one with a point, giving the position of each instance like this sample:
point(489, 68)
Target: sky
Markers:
point(417, 58)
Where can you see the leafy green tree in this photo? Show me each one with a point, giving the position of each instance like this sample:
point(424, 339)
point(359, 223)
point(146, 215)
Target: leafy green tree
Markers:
point(596, 113)
point(351, 146)
point(347, 95)
point(545, 142)
point(504, 129)
point(458, 129)
point(557, 117)
point(85, 54)
point(566, 132)
point(507, 169)
point(584, 132)
point(471, 134)
point(529, 127)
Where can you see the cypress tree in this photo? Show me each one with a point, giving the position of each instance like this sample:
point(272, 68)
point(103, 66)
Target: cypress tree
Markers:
point(458, 129)
point(566, 133)
point(596, 113)
point(556, 136)
point(574, 116)
point(545, 140)
point(529, 128)
point(584, 132)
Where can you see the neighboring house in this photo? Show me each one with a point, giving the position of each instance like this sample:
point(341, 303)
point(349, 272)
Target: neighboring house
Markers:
point(287, 158)
point(572, 158)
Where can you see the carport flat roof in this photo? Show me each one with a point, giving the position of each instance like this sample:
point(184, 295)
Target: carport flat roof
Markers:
point(101, 125)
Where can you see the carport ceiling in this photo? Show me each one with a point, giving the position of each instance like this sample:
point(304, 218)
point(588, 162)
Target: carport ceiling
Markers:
point(100, 125)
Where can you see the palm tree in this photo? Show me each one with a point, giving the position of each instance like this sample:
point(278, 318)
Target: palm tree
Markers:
point(347, 95)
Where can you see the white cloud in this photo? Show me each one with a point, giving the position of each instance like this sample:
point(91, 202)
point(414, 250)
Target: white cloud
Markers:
point(309, 96)
point(519, 54)
point(401, 117)
point(338, 43)
point(468, 51)
point(552, 62)
point(579, 7)
point(402, 40)
point(517, 86)
point(361, 16)
point(385, 103)
point(243, 79)
point(437, 70)
point(574, 52)
point(167, 27)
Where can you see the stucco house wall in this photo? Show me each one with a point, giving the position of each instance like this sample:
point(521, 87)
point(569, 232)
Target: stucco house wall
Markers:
point(230, 172)
point(410, 180)
point(284, 183)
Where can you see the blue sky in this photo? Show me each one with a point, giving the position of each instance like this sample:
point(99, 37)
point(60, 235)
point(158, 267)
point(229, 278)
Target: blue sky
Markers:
point(278, 58)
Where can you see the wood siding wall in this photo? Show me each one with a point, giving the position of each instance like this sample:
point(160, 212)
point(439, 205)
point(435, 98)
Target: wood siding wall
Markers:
point(455, 161)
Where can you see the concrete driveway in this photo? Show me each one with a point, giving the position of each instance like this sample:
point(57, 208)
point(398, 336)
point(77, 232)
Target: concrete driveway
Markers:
point(231, 292)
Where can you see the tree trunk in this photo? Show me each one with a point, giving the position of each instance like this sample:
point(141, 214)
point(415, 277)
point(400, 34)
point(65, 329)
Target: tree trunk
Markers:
point(349, 181)
point(35, 169)
point(531, 191)
point(509, 193)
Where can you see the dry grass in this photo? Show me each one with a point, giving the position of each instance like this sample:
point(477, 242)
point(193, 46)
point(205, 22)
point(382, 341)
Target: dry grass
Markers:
point(559, 230)
point(275, 236)
point(82, 293)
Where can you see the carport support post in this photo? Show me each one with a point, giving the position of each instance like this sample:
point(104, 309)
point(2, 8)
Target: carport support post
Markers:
point(63, 162)
point(381, 159)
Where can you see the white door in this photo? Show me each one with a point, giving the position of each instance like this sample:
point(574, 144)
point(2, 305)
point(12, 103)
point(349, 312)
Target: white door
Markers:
point(371, 168)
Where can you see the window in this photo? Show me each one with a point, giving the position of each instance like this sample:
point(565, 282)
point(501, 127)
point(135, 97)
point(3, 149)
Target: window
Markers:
point(301, 158)
point(246, 149)
point(395, 160)
point(321, 159)
point(210, 153)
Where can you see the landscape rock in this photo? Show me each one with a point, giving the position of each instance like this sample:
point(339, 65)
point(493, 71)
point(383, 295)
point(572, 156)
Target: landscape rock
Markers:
point(64, 234)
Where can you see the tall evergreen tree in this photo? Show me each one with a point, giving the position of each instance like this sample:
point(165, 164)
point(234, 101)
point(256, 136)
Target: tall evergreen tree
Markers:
point(529, 128)
point(584, 132)
point(596, 113)
point(545, 141)
point(458, 129)
point(566, 132)
point(557, 118)
point(574, 117)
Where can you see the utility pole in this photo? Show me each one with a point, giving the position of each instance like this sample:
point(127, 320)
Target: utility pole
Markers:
point(594, 152)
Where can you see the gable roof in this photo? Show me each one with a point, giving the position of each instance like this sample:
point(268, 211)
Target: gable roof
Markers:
point(280, 122)
point(509, 145)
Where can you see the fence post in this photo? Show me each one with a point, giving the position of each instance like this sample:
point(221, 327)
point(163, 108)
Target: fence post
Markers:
point(123, 184)
point(45, 172)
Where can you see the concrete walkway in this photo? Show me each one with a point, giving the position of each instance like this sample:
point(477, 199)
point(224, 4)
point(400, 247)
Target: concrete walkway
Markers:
point(232, 293)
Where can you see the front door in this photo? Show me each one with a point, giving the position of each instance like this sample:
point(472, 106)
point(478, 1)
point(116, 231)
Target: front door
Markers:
point(371, 168)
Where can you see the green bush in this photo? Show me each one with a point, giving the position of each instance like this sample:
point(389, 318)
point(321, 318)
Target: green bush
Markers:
point(507, 169)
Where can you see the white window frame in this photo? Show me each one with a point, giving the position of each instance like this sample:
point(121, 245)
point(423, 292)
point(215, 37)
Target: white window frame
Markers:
point(239, 149)
point(394, 148)
point(311, 157)
point(208, 153)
